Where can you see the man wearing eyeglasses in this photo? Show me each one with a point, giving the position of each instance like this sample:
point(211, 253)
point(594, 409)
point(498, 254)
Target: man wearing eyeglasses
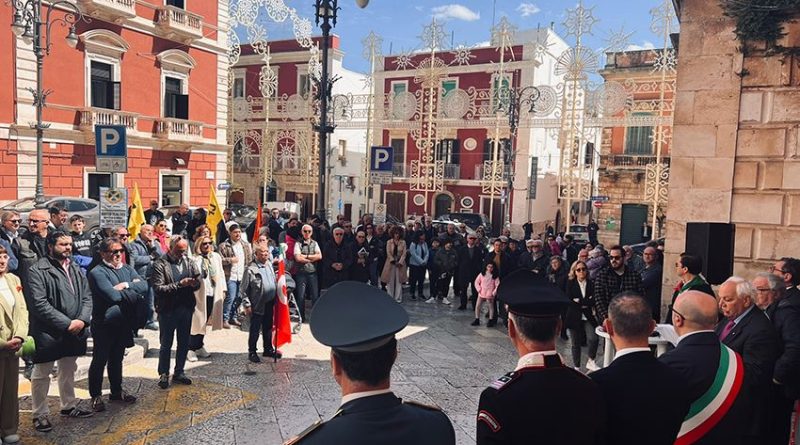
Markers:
point(688, 268)
point(33, 244)
point(614, 279)
point(10, 231)
point(153, 215)
point(338, 257)
point(117, 291)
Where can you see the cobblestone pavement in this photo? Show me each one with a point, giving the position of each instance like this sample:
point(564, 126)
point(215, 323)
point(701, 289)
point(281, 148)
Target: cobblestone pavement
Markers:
point(443, 361)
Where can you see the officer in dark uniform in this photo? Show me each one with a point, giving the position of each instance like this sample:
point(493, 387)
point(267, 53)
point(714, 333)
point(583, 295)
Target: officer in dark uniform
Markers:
point(541, 401)
point(359, 322)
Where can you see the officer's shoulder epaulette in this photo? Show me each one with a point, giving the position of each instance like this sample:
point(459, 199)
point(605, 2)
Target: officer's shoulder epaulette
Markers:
point(422, 405)
point(503, 381)
point(314, 426)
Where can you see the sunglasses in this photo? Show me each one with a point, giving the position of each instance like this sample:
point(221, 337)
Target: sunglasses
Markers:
point(207, 243)
point(123, 235)
point(15, 221)
point(118, 251)
point(580, 269)
point(307, 231)
point(338, 234)
point(772, 269)
point(615, 257)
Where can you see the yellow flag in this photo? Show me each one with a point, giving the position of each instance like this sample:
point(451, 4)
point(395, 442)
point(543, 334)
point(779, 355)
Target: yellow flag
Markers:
point(136, 219)
point(214, 214)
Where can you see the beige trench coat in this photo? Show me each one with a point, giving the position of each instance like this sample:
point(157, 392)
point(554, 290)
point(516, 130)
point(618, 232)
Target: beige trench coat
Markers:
point(399, 256)
point(199, 323)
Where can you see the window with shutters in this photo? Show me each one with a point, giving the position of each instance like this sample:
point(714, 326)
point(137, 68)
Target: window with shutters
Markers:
point(448, 151)
point(303, 84)
point(105, 92)
point(238, 86)
point(176, 104)
point(505, 150)
point(638, 140)
point(398, 157)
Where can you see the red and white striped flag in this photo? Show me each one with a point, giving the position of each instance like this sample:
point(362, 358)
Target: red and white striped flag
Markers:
point(281, 323)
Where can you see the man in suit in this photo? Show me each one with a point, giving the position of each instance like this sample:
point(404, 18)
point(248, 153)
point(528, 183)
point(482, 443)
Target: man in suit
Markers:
point(469, 267)
point(534, 259)
point(359, 323)
point(713, 371)
point(748, 331)
point(634, 415)
point(785, 315)
point(572, 410)
point(688, 268)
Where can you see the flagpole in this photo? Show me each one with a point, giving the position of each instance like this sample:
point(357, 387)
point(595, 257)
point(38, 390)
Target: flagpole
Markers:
point(275, 337)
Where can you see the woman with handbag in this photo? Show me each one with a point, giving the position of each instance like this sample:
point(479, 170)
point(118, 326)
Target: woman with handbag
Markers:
point(209, 299)
point(580, 319)
point(394, 271)
point(13, 332)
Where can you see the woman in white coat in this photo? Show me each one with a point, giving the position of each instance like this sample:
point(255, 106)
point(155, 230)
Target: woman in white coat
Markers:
point(209, 298)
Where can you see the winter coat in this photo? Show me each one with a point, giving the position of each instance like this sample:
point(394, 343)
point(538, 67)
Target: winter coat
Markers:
point(446, 260)
point(419, 254)
point(254, 292)
point(143, 255)
point(53, 302)
point(117, 309)
point(395, 258)
point(336, 253)
point(469, 268)
point(486, 286)
point(359, 271)
point(168, 294)
point(580, 305)
point(200, 318)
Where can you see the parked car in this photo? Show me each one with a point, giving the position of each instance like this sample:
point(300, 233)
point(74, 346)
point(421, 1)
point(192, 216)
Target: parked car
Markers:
point(639, 248)
point(437, 223)
point(579, 233)
point(472, 220)
point(89, 209)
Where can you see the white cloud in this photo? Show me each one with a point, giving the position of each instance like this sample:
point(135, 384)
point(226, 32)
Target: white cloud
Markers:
point(419, 8)
point(455, 11)
point(645, 45)
point(526, 9)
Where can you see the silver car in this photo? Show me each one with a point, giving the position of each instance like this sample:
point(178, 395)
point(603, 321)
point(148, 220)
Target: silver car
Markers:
point(89, 209)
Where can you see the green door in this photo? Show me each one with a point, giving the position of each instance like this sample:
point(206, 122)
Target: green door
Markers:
point(633, 218)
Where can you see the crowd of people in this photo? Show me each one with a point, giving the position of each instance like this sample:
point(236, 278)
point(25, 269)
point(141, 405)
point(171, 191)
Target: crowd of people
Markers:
point(61, 286)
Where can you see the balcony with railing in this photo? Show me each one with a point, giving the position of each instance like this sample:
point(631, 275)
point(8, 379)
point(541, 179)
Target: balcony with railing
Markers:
point(89, 117)
point(452, 171)
point(629, 162)
point(479, 172)
point(179, 24)
point(116, 11)
point(399, 170)
point(179, 130)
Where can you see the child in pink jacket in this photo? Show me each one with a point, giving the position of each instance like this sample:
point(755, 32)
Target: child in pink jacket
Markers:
point(486, 285)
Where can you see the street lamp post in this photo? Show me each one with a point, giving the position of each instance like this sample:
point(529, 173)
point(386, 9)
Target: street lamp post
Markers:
point(28, 25)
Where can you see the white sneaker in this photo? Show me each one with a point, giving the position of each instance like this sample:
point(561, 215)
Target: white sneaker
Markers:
point(191, 356)
point(591, 366)
point(445, 300)
point(430, 300)
point(202, 353)
point(399, 299)
point(11, 439)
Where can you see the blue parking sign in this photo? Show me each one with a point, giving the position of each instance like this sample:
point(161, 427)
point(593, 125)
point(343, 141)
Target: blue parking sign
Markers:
point(110, 140)
point(381, 159)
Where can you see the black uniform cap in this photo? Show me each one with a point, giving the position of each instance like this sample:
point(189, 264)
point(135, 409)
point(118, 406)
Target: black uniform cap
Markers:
point(531, 295)
point(356, 317)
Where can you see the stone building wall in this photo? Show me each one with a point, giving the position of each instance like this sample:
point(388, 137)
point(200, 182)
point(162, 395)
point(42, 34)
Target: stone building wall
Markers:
point(621, 187)
point(736, 141)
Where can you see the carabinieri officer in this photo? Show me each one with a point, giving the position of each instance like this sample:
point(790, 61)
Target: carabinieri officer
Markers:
point(541, 401)
point(359, 323)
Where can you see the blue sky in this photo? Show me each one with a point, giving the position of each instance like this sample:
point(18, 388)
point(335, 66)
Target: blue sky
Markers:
point(399, 22)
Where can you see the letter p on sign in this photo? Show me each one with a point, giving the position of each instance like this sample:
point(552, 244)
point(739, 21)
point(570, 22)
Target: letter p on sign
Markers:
point(110, 140)
point(108, 137)
point(381, 159)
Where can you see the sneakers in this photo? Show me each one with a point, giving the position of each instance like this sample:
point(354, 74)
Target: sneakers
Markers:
point(273, 354)
point(476, 322)
point(445, 300)
point(253, 357)
point(98, 405)
point(591, 366)
point(182, 379)
point(42, 424)
point(163, 381)
point(11, 439)
point(77, 412)
point(430, 300)
point(191, 356)
point(203, 353)
point(123, 397)
point(399, 299)
point(152, 326)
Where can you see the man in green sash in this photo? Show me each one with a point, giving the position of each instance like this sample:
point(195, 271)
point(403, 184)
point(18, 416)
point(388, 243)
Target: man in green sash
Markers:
point(688, 268)
point(713, 371)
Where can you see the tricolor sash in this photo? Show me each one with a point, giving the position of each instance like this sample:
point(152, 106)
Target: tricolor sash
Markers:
point(711, 407)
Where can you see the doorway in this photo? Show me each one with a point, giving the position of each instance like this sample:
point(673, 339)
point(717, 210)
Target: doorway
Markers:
point(94, 182)
point(444, 204)
point(396, 204)
point(634, 216)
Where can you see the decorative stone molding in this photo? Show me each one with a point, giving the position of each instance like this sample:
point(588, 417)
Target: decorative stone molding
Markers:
point(176, 60)
point(104, 42)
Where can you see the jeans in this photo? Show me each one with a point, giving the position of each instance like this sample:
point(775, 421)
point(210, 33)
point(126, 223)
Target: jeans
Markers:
point(175, 323)
point(305, 283)
point(232, 301)
point(433, 282)
point(261, 324)
point(417, 279)
point(576, 337)
point(109, 351)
